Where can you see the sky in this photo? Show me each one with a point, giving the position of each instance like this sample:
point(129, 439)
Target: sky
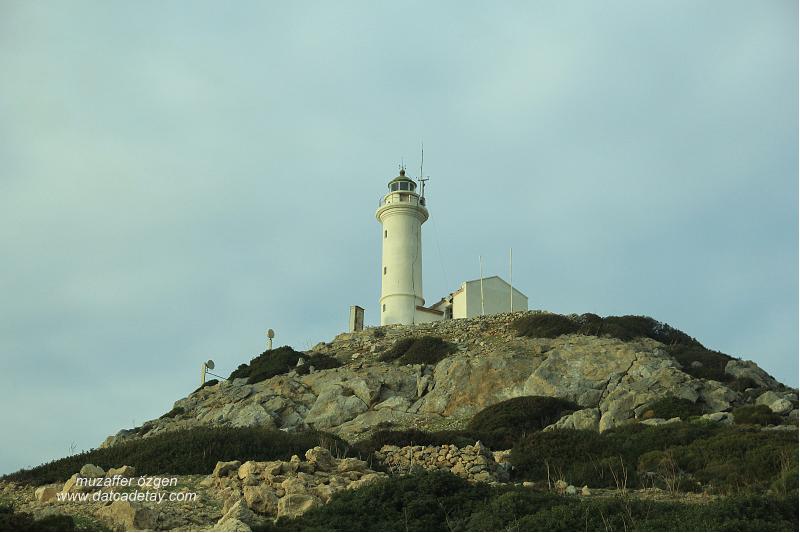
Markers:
point(176, 177)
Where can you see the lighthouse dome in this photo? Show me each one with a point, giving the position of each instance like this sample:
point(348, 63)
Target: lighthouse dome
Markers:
point(402, 183)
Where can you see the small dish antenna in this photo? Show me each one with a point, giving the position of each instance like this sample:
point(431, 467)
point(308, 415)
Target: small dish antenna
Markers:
point(208, 365)
point(270, 336)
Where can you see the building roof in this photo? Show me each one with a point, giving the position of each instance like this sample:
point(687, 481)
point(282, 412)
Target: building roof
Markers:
point(403, 177)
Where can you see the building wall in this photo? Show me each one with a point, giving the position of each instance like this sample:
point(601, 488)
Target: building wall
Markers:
point(425, 316)
point(496, 298)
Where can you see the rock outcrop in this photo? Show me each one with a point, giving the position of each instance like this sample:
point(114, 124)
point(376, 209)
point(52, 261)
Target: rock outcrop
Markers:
point(612, 380)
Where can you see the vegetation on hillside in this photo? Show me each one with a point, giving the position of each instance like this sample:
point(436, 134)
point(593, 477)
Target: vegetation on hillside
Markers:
point(14, 521)
point(437, 501)
point(418, 350)
point(759, 415)
point(510, 419)
point(688, 456)
point(281, 361)
point(671, 407)
point(190, 451)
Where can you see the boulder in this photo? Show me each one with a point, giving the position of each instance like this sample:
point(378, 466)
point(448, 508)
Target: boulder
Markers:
point(335, 405)
point(781, 407)
point(123, 471)
point(261, 498)
point(252, 414)
point(720, 418)
point(129, 516)
point(240, 512)
point(45, 493)
point(321, 458)
point(583, 419)
point(92, 471)
point(293, 505)
point(748, 369)
point(365, 480)
point(226, 468)
point(350, 464)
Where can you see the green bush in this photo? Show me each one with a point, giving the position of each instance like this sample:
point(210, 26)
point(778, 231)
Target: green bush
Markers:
point(418, 350)
point(13, 521)
point(518, 416)
point(737, 457)
point(190, 451)
point(175, 411)
point(760, 415)
point(671, 407)
point(437, 501)
point(281, 361)
point(318, 361)
point(544, 325)
point(713, 363)
point(742, 384)
point(209, 383)
point(724, 458)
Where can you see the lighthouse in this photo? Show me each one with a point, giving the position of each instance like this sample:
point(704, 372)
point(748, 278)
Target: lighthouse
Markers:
point(401, 213)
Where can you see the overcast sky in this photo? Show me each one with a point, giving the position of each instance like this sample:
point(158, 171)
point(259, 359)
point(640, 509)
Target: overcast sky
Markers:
point(177, 177)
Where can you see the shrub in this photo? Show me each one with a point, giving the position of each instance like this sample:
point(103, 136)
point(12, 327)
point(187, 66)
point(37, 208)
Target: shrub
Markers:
point(671, 407)
point(318, 361)
point(437, 501)
point(175, 411)
point(518, 416)
point(418, 350)
point(713, 363)
point(280, 361)
point(585, 457)
point(190, 451)
point(760, 415)
point(544, 325)
point(742, 384)
point(12, 521)
point(208, 383)
point(736, 457)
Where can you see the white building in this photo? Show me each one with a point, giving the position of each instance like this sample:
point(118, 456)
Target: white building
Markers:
point(478, 297)
point(401, 212)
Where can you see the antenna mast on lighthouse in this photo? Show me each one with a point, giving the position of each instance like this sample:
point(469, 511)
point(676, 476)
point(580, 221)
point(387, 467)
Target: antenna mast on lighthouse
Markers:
point(421, 179)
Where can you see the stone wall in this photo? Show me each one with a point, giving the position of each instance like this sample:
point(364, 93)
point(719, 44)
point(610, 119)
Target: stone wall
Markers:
point(474, 463)
point(284, 488)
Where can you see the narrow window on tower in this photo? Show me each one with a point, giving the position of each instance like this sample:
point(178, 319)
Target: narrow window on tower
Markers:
point(384, 308)
point(385, 233)
point(384, 271)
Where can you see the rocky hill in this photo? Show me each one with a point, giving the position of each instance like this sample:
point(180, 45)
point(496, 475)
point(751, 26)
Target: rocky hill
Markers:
point(524, 421)
point(613, 380)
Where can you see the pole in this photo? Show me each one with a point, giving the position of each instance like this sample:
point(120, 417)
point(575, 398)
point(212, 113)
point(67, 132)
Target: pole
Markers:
point(480, 260)
point(511, 276)
point(203, 374)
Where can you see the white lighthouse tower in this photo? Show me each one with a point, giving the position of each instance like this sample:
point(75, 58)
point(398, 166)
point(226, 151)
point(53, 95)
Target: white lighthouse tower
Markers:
point(401, 213)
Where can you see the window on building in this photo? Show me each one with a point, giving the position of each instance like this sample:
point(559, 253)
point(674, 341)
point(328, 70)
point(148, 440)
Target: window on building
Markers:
point(384, 271)
point(403, 185)
point(385, 233)
point(394, 186)
point(384, 308)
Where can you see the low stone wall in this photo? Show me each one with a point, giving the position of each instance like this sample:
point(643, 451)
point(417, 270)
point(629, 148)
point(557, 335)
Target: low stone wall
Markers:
point(474, 463)
point(284, 488)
